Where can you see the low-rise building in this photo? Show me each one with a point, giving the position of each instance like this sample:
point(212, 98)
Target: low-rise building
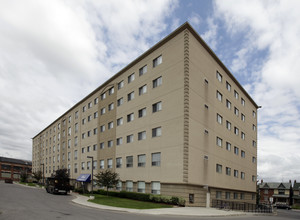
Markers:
point(274, 192)
point(11, 168)
point(296, 193)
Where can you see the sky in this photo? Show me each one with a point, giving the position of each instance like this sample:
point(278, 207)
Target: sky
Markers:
point(54, 53)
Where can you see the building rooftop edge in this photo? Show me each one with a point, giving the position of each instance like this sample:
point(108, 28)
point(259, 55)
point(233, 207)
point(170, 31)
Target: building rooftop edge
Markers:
point(181, 28)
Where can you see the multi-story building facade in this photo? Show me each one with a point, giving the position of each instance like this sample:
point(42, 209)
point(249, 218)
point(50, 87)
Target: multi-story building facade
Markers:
point(275, 192)
point(174, 121)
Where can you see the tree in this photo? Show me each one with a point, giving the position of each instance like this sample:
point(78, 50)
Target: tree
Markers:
point(38, 175)
point(107, 179)
point(61, 174)
point(23, 176)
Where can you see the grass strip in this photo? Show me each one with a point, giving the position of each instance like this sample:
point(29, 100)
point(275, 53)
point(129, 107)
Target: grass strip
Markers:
point(126, 203)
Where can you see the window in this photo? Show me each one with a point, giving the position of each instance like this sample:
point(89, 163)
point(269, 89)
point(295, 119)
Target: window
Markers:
point(143, 70)
point(119, 141)
point(69, 156)
point(102, 145)
point(253, 178)
point(69, 131)
point(236, 95)
point(253, 127)
point(142, 112)
point(219, 76)
point(254, 143)
point(253, 114)
point(219, 96)
point(141, 187)
point(119, 162)
point(243, 135)
point(120, 85)
point(219, 119)
point(110, 125)
point(157, 82)
point(236, 173)
point(83, 135)
point(219, 142)
point(103, 96)
point(76, 114)
point(142, 89)
point(228, 146)
point(76, 141)
point(157, 61)
point(228, 125)
point(111, 91)
point(95, 131)
point(219, 168)
point(253, 159)
point(119, 121)
point(236, 111)
point(228, 86)
point(156, 107)
point(242, 117)
point(88, 165)
point(101, 164)
point(130, 96)
point(228, 171)
point(70, 119)
point(236, 150)
point(82, 165)
point(242, 175)
point(83, 121)
point(227, 195)
point(129, 138)
point(155, 187)
point(142, 135)
point(96, 100)
point(94, 147)
point(228, 104)
point(110, 143)
point(218, 195)
point(129, 161)
point(120, 101)
point(155, 158)
point(82, 150)
point(102, 128)
point(90, 105)
point(88, 148)
point(142, 160)
point(102, 111)
point(130, 78)
point(95, 164)
point(95, 114)
point(243, 102)
point(243, 154)
point(129, 186)
point(109, 163)
point(130, 117)
point(75, 168)
point(156, 132)
point(110, 106)
point(83, 108)
point(236, 130)
point(89, 118)
point(235, 195)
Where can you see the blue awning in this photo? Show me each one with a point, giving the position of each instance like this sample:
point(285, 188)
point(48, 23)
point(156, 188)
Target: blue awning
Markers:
point(84, 178)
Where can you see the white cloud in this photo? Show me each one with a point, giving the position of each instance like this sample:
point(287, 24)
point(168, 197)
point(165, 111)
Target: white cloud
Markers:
point(195, 20)
point(210, 36)
point(273, 26)
point(53, 53)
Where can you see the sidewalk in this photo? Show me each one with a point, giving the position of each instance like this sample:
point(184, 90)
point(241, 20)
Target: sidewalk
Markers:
point(185, 211)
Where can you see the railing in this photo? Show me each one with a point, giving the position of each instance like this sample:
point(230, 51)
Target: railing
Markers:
point(246, 207)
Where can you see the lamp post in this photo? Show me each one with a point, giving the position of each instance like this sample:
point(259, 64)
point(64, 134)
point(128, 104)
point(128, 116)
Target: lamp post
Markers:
point(43, 174)
point(92, 171)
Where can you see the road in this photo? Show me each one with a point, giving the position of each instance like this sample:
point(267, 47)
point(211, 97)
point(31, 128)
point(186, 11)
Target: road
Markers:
point(20, 202)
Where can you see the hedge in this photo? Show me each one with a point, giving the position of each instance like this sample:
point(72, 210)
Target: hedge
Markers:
point(172, 200)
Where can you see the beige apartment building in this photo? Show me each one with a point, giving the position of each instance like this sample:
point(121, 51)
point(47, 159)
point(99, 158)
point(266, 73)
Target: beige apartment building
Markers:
point(174, 121)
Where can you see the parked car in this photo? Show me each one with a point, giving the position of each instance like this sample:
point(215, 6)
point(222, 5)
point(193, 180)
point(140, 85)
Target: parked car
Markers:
point(56, 185)
point(282, 205)
point(8, 181)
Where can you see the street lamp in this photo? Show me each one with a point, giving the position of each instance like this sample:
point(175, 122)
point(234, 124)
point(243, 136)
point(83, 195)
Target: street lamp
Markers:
point(43, 174)
point(92, 171)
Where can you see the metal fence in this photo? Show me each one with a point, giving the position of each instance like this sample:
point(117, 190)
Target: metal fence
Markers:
point(246, 207)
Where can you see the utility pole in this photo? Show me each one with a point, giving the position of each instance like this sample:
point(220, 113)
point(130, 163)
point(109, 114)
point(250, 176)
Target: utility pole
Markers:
point(92, 172)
